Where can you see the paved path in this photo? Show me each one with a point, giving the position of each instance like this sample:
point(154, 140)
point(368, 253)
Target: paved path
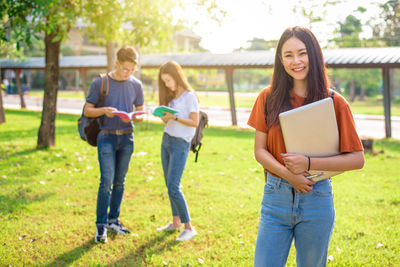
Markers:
point(367, 125)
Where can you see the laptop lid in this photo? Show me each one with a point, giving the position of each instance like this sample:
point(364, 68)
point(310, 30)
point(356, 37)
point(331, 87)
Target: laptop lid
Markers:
point(312, 130)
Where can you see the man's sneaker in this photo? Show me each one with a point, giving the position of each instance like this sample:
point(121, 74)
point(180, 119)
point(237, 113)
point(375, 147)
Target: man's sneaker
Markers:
point(101, 234)
point(168, 227)
point(118, 227)
point(187, 235)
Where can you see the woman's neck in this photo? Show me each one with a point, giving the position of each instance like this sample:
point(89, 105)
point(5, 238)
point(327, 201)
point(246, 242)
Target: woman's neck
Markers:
point(179, 92)
point(300, 88)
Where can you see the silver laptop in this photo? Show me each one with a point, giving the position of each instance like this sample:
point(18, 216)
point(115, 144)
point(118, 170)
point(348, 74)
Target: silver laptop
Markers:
point(312, 130)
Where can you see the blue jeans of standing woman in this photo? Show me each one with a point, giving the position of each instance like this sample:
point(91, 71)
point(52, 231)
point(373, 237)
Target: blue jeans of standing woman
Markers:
point(307, 218)
point(114, 153)
point(174, 153)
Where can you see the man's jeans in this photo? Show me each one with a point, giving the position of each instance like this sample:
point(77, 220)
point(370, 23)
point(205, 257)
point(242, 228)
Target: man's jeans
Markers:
point(307, 218)
point(114, 152)
point(174, 153)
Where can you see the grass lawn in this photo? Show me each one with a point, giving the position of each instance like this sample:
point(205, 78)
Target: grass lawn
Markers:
point(48, 198)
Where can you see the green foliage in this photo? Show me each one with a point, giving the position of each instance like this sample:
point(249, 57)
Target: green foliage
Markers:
point(389, 29)
point(369, 80)
point(25, 20)
point(48, 202)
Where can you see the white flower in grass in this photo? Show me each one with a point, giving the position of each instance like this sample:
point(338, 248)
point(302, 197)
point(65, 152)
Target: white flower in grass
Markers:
point(165, 263)
point(143, 153)
point(42, 182)
point(200, 260)
point(379, 245)
point(330, 258)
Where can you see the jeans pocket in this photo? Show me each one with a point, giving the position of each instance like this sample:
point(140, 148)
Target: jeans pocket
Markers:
point(269, 189)
point(323, 189)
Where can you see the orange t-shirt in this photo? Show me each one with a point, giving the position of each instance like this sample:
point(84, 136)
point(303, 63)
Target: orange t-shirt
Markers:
point(349, 140)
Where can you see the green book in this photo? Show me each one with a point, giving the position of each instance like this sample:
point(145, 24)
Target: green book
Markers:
point(159, 111)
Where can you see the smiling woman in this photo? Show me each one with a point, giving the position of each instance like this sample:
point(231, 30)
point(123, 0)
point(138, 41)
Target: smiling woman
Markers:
point(294, 206)
point(295, 61)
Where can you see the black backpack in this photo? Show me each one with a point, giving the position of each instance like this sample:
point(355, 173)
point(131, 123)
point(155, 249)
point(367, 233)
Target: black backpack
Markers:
point(89, 128)
point(196, 141)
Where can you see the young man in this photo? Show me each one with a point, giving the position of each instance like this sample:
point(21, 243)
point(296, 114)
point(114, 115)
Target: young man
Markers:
point(115, 140)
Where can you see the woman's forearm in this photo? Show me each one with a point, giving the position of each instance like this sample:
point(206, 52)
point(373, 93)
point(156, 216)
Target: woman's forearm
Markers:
point(342, 162)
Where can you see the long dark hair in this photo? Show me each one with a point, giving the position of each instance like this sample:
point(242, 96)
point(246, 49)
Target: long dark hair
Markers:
point(278, 99)
point(175, 71)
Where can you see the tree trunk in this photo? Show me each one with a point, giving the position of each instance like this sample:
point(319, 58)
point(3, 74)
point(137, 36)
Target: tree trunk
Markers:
point(352, 91)
point(47, 128)
point(20, 92)
point(85, 88)
point(2, 113)
point(111, 56)
point(362, 94)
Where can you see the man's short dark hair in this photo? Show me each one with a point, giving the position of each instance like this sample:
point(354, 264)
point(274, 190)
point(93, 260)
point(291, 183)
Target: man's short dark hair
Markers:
point(127, 53)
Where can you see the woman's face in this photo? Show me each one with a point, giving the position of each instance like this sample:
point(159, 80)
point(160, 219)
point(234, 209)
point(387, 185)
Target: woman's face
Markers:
point(294, 58)
point(168, 81)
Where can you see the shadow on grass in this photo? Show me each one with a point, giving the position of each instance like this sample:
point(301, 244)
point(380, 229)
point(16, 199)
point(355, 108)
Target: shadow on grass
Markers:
point(154, 246)
point(71, 256)
point(10, 205)
point(18, 158)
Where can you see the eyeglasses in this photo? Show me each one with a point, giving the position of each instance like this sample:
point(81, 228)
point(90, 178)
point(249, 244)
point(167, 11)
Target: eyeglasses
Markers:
point(126, 70)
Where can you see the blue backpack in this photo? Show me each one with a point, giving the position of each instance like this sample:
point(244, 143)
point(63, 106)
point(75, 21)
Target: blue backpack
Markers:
point(89, 128)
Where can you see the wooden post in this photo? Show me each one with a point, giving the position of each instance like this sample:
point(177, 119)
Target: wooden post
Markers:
point(386, 101)
point(229, 81)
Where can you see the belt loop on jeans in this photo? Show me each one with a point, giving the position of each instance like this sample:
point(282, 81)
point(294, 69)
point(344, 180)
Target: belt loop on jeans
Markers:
point(279, 182)
point(117, 132)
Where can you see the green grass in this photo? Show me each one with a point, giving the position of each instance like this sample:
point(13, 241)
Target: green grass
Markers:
point(370, 106)
point(48, 197)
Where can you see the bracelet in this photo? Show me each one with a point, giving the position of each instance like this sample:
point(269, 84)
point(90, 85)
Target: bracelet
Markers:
point(309, 161)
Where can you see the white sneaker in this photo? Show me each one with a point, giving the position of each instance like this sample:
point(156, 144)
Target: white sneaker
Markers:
point(101, 234)
point(186, 235)
point(168, 227)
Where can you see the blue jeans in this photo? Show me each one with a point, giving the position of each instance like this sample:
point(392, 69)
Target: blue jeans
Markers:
point(174, 153)
point(307, 218)
point(114, 153)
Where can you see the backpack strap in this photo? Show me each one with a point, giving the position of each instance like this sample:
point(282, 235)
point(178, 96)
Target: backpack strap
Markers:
point(103, 93)
point(197, 152)
point(332, 93)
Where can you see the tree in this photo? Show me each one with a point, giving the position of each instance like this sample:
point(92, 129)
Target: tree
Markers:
point(53, 19)
point(10, 50)
point(388, 31)
point(361, 81)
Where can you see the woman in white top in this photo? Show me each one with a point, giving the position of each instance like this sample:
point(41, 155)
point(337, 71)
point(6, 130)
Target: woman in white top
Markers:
point(175, 92)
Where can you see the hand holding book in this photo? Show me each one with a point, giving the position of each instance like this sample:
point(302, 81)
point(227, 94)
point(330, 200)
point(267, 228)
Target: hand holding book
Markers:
point(125, 116)
point(160, 111)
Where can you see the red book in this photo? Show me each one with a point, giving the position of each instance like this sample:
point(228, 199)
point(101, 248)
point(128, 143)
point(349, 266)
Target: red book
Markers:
point(128, 116)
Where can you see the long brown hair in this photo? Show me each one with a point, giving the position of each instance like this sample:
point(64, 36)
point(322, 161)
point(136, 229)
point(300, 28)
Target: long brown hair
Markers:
point(175, 71)
point(278, 99)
